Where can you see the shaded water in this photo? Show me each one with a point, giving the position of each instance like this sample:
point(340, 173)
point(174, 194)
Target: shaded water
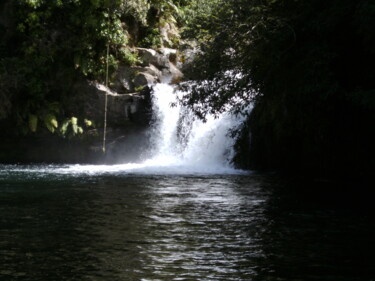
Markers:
point(116, 225)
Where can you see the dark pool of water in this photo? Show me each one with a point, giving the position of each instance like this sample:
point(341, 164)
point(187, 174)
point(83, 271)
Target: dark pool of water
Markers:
point(115, 226)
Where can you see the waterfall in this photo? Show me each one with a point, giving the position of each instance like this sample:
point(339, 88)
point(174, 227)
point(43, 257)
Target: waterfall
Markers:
point(181, 141)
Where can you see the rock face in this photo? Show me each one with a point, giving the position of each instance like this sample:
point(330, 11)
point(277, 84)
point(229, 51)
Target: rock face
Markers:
point(150, 56)
point(172, 73)
point(121, 108)
point(129, 96)
point(154, 67)
point(144, 79)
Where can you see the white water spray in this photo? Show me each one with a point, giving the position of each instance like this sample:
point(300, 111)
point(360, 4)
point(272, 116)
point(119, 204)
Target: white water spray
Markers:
point(180, 140)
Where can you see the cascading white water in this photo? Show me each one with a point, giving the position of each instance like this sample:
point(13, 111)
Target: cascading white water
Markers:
point(180, 140)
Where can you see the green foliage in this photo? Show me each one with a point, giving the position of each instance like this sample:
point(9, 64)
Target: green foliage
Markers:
point(88, 123)
point(71, 128)
point(164, 14)
point(48, 118)
point(51, 122)
point(307, 66)
point(198, 18)
point(46, 46)
point(65, 126)
point(264, 45)
point(129, 57)
point(153, 39)
point(138, 9)
point(54, 43)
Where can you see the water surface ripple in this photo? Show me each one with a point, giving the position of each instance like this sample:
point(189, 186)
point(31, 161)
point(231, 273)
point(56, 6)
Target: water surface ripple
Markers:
point(118, 226)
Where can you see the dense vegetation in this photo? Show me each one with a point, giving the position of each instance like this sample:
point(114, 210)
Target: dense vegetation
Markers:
point(47, 46)
point(308, 68)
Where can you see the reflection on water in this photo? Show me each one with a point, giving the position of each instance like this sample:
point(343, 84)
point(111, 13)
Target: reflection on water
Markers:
point(161, 227)
point(202, 229)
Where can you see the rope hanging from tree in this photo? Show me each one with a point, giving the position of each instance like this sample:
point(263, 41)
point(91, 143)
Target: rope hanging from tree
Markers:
point(106, 101)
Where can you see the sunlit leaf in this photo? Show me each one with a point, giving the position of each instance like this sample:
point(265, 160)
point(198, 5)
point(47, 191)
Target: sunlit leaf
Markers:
point(51, 122)
point(64, 126)
point(74, 120)
point(75, 128)
point(50, 127)
point(88, 123)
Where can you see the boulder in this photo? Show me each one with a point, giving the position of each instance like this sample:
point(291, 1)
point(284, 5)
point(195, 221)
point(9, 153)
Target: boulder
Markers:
point(172, 74)
point(144, 79)
point(171, 54)
point(186, 56)
point(150, 56)
point(129, 78)
point(161, 63)
point(152, 70)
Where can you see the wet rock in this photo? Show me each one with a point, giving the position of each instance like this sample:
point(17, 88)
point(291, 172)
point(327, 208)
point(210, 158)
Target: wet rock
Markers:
point(152, 70)
point(144, 79)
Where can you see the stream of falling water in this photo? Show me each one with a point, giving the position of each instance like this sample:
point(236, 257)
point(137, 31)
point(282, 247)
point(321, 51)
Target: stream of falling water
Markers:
point(180, 140)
